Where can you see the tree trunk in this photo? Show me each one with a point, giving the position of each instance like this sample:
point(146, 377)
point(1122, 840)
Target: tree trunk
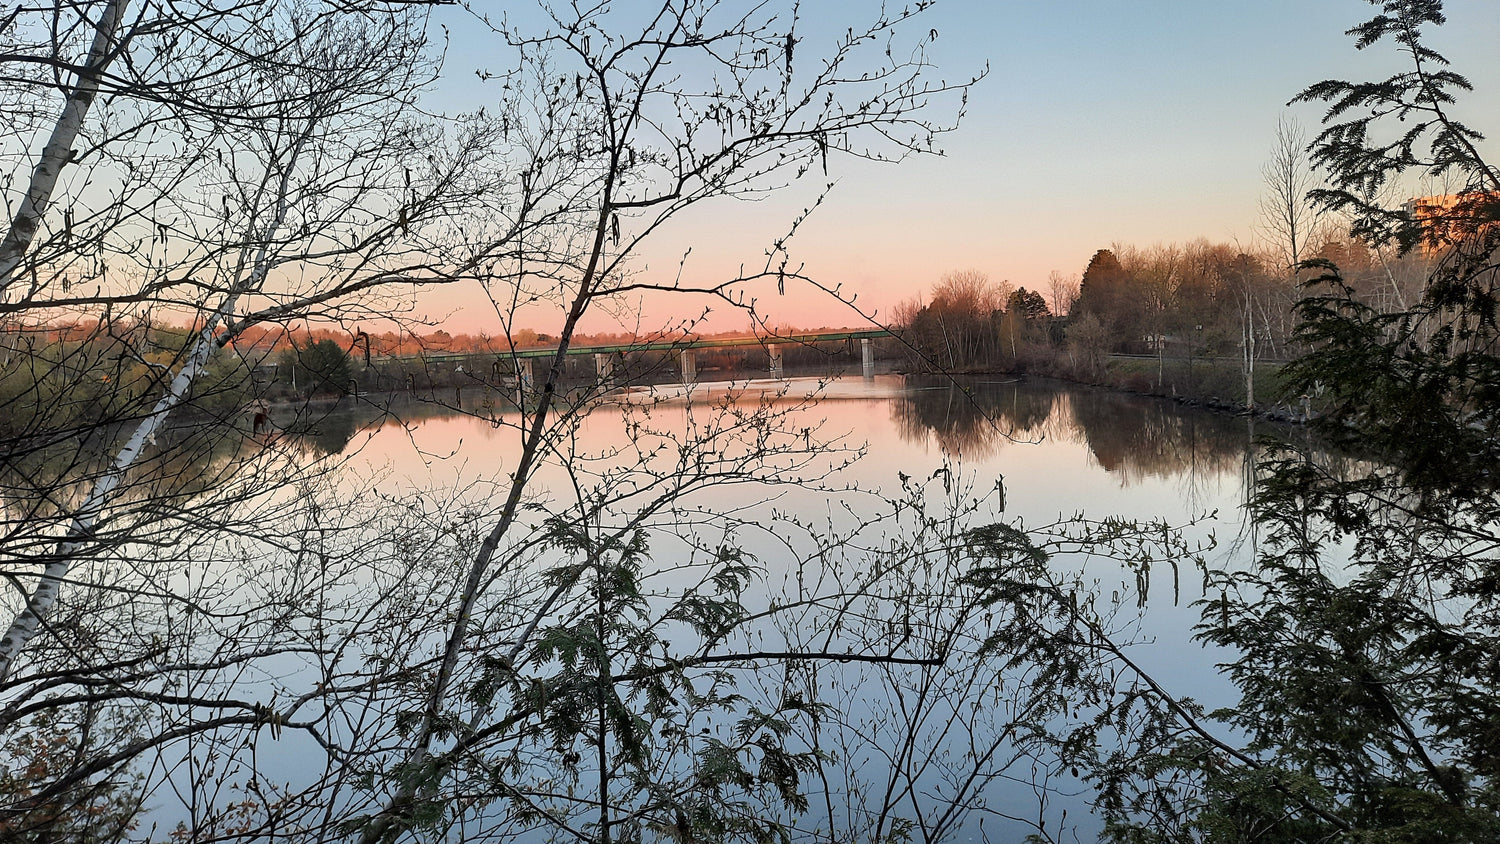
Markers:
point(81, 529)
point(1249, 353)
point(59, 149)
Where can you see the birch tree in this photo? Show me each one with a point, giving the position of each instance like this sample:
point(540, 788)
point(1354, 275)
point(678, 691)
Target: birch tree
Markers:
point(231, 198)
point(226, 169)
point(58, 151)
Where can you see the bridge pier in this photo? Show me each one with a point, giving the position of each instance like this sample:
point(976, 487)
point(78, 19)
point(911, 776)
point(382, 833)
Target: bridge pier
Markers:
point(867, 356)
point(525, 381)
point(777, 369)
point(689, 361)
point(604, 367)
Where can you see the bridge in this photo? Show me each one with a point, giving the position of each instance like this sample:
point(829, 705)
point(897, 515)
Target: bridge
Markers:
point(605, 355)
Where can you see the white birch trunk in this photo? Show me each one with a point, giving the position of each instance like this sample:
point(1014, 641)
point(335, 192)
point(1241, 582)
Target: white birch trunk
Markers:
point(1249, 352)
point(44, 596)
point(59, 149)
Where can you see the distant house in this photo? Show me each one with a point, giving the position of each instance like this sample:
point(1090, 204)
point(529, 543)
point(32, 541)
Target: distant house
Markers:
point(1447, 219)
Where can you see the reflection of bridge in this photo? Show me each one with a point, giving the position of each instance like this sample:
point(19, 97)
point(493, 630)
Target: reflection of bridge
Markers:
point(606, 356)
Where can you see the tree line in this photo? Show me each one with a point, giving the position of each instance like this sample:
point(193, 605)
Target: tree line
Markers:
point(1178, 303)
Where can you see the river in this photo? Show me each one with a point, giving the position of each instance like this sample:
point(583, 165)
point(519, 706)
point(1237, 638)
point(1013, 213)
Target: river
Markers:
point(860, 591)
point(809, 489)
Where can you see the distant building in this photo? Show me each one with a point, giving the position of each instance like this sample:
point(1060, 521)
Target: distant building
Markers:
point(1449, 218)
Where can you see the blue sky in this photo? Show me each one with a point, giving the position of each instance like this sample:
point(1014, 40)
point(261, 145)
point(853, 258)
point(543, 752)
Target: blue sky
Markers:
point(1101, 121)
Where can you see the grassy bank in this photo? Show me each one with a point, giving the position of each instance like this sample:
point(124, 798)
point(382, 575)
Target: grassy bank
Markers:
point(1214, 382)
point(1217, 383)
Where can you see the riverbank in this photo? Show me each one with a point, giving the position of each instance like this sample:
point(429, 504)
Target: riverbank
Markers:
point(1216, 384)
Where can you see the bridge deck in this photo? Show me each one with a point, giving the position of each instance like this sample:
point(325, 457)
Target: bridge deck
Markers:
point(666, 345)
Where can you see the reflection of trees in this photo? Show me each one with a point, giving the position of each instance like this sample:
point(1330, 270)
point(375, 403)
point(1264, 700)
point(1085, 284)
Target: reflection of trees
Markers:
point(325, 428)
point(326, 431)
point(974, 419)
point(198, 461)
point(1130, 436)
point(187, 459)
point(1139, 438)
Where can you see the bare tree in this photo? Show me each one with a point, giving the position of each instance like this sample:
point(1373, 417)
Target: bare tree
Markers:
point(1062, 292)
point(1157, 274)
point(607, 121)
point(231, 168)
point(1290, 222)
point(1288, 219)
point(251, 198)
point(956, 329)
point(203, 583)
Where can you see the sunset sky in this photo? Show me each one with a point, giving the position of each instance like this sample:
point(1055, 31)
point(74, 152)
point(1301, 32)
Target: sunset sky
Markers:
point(1101, 121)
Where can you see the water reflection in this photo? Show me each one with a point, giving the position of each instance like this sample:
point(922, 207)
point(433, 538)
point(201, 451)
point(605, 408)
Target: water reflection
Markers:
point(847, 559)
point(974, 419)
point(324, 432)
point(1130, 437)
point(327, 428)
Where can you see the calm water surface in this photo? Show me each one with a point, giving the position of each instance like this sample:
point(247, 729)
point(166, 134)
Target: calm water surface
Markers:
point(1058, 451)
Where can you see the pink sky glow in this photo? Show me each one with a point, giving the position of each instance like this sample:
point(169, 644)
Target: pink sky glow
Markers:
point(1100, 122)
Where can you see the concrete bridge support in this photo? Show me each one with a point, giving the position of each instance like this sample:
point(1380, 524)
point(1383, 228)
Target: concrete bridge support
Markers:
point(867, 356)
point(778, 370)
point(525, 381)
point(689, 361)
point(604, 366)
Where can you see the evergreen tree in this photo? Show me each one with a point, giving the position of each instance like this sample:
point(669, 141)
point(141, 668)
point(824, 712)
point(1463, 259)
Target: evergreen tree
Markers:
point(320, 367)
point(1029, 304)
point(1367, 635)
point(1105, 293)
